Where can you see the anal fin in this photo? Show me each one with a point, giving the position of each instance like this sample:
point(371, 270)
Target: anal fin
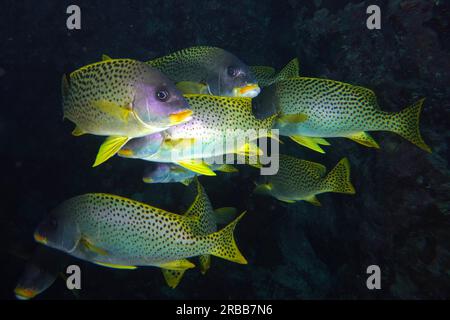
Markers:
point(365, 139)
point(307, 142)
point(173, 277)
point(205, 263)
point(313, 200)
point(77, 132)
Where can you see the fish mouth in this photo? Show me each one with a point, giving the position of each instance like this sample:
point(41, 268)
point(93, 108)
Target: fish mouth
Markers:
point(250, 90)
point(25, 293)
point(39, 238)
point(180, 116)
point(147, 180)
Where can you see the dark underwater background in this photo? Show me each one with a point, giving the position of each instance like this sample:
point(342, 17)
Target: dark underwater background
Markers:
point(399, 218)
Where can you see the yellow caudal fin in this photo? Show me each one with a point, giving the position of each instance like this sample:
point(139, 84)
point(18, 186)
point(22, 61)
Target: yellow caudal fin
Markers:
point(173, 277)
point(406, 124)
point(205, 263)
point(223, 245)
point(338, 179)
point(109, 148)
point(365, 139)
point(308, 142)
point(197, 166)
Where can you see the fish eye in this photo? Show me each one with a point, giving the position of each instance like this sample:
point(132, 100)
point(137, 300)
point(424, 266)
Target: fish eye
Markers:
point(232, 71)
point(162, 95)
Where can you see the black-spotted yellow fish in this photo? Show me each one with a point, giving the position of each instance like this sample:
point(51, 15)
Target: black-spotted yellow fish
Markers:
point(298, 180)
point(219, 126)
point(337, 109)
point(208, 70)
point(201, 209)
point(122, 99)
point(121, 233)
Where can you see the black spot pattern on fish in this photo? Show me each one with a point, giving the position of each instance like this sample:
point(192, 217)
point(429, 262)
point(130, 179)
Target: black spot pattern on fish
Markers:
point(188, 64)
point(333, 108)
point(111, 81)
point(213, 116)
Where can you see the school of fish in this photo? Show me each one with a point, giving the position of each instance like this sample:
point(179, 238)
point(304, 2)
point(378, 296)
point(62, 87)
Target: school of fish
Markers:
point(181, 113)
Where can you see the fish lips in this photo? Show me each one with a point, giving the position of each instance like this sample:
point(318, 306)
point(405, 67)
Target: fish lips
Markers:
point(250, 90)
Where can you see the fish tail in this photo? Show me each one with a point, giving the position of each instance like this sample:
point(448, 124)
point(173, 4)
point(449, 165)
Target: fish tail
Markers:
point(406, 124)
point(223, 243)
point(338, 179)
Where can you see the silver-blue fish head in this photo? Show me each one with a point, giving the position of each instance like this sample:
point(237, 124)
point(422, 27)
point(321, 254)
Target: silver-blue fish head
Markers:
point(32, 282)
point(58, 231)
point(143, 147)
point(157, 101)
point(232, 77)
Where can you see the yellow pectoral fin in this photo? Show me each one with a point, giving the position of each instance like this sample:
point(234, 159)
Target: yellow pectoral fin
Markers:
point(307, 142)
point(115, 266)
point(365, 139)
point(249, 150)
point(91, 247)
point(197, 166)
point(77, 132)
point(172, 277)
point(189, 87)
point(293, 118)
point(313, 200)
point(109, 148)
point(106, 57)
point(177, 265)
point(113, 109)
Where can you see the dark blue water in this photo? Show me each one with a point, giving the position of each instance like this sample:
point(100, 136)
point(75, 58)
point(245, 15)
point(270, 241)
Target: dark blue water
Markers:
point(398, 219)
